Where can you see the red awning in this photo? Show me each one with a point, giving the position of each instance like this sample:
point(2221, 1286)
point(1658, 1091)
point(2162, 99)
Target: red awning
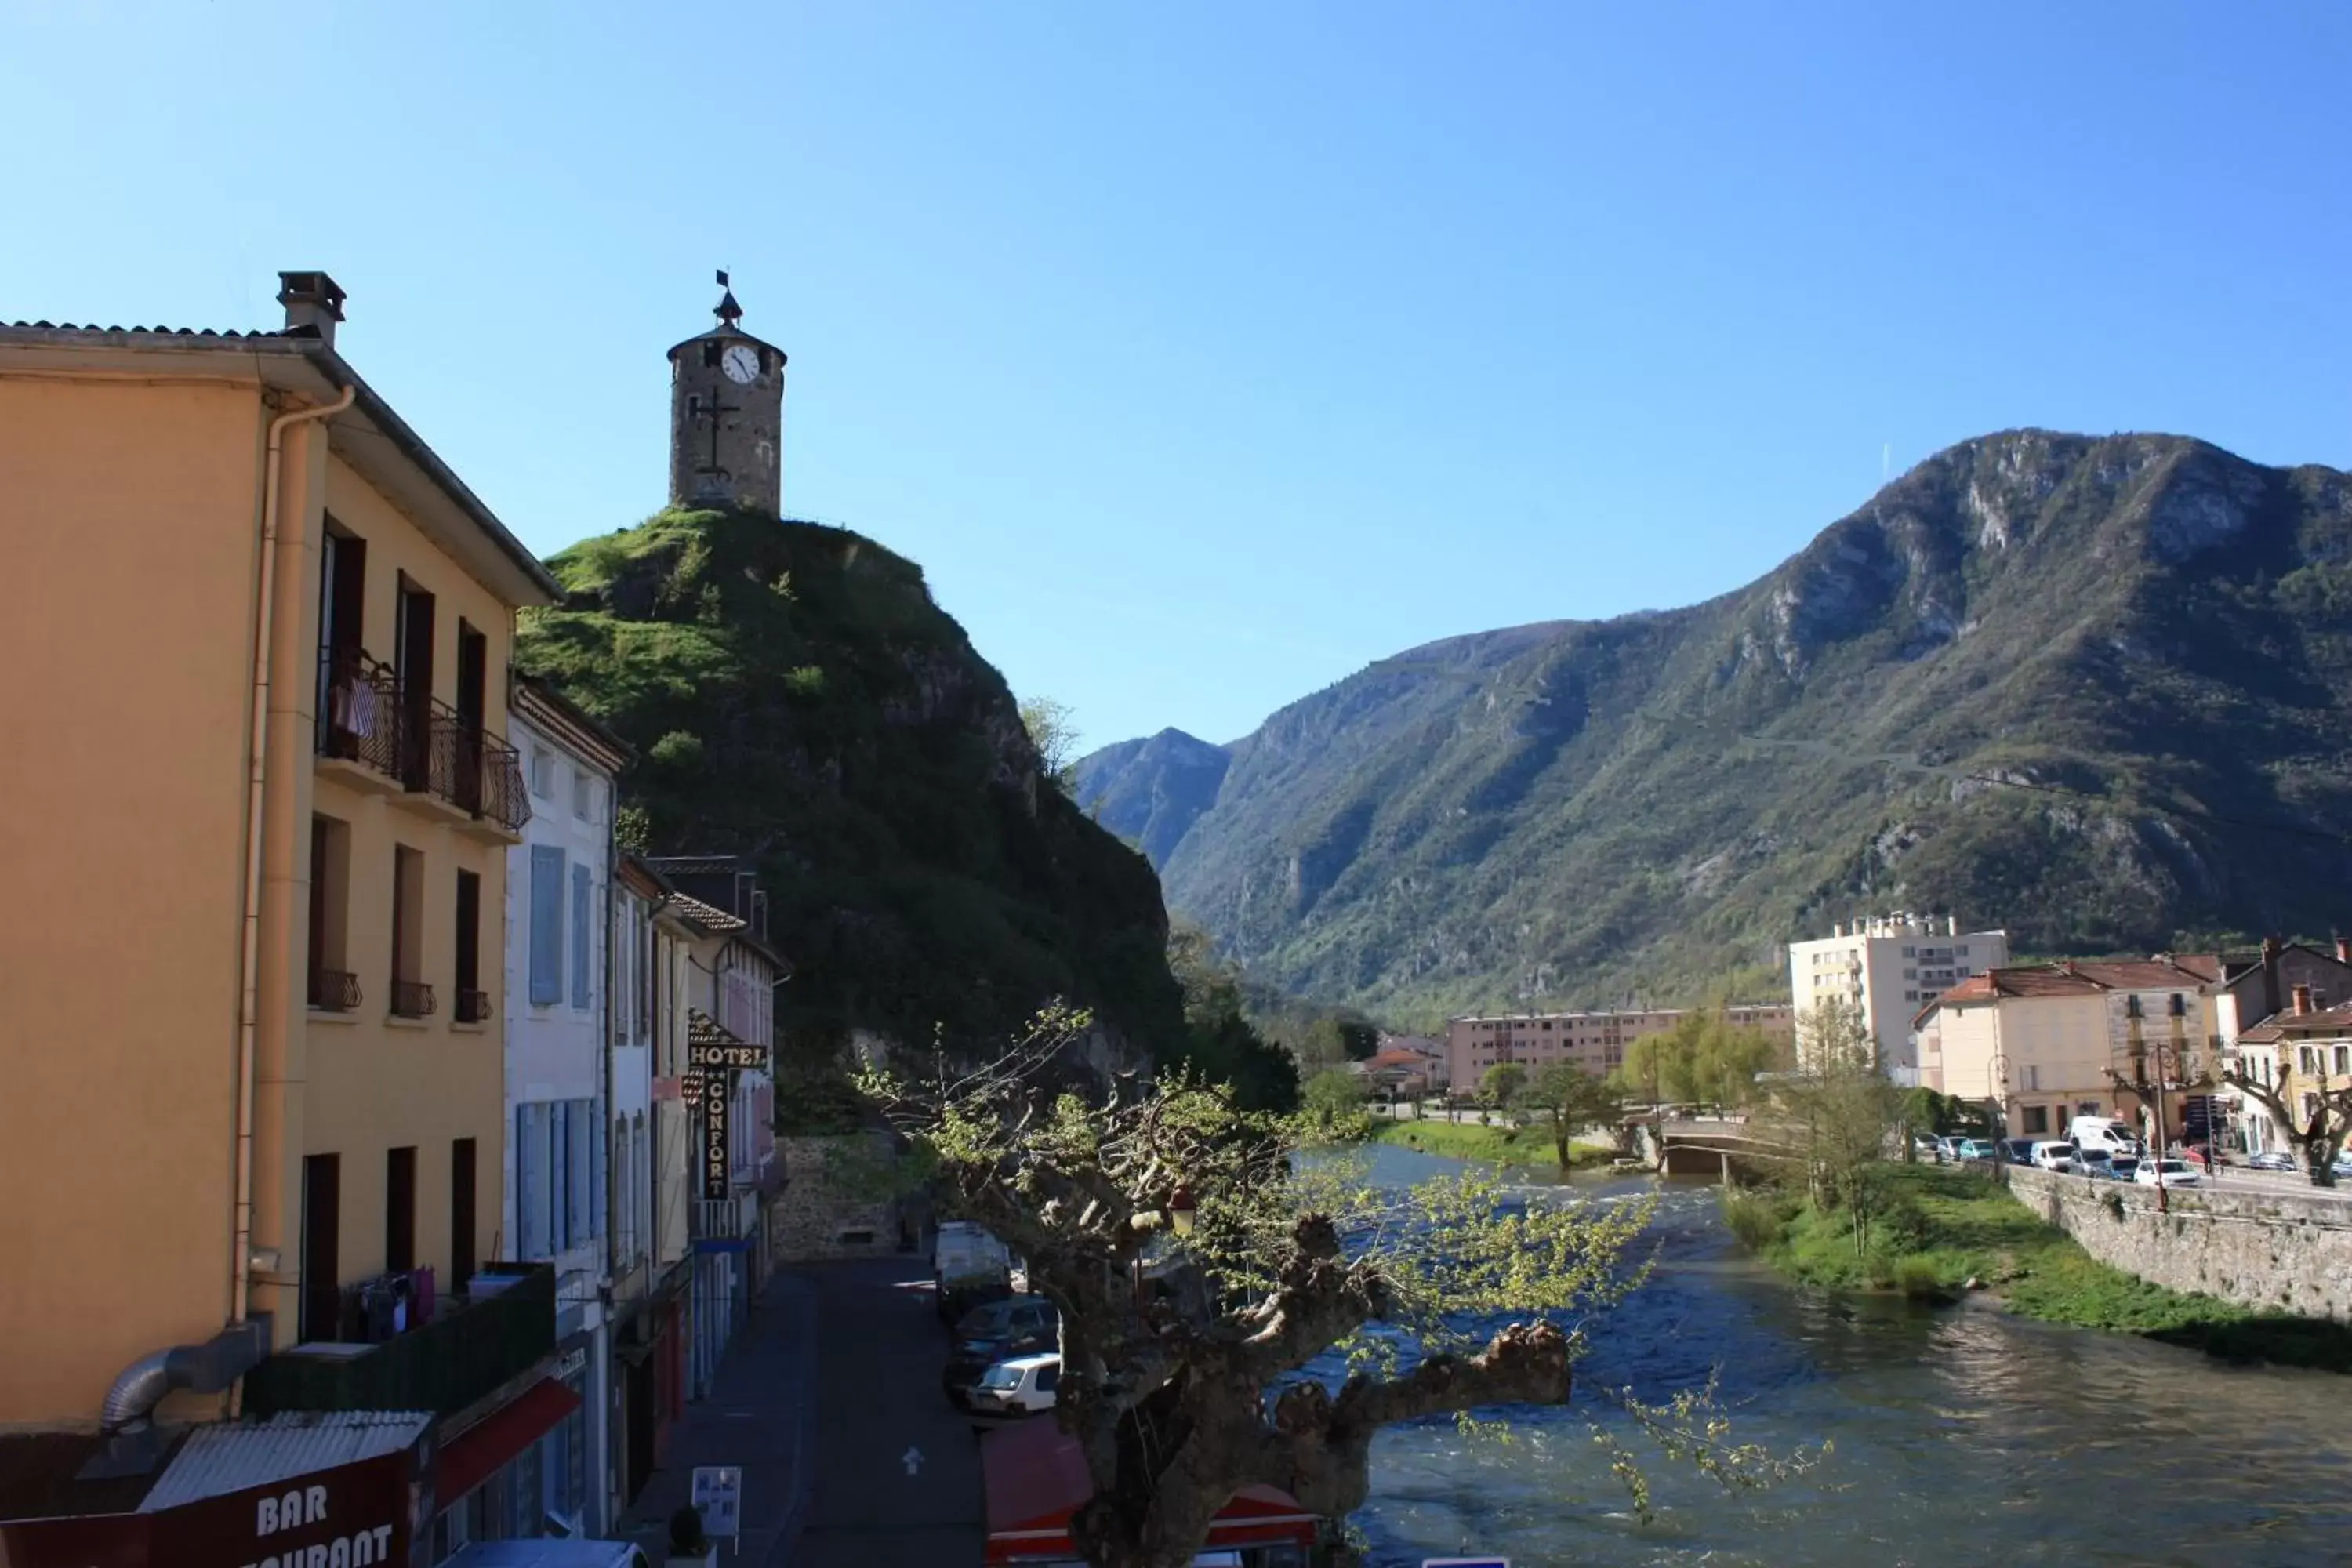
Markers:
point(1035, 1478)
point(484, 1449)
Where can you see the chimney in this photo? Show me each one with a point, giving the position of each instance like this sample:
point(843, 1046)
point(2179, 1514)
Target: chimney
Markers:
point(2344, 950)
point(312, 300)
point(1951, 925)
point(2270, 976)
point(2301, 1000)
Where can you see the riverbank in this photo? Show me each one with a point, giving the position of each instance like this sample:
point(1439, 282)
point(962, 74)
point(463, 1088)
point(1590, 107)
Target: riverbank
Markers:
point(1530, 1145)
point(1946, 1227)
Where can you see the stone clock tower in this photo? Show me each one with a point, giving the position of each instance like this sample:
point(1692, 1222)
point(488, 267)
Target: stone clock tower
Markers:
point(727, 416)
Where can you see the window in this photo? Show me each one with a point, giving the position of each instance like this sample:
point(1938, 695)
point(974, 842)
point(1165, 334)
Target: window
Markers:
point(333, 988)
point(2034, 1079)
point(322, 1293)
point(2179, 1006)
point(580, 800)
point(1910, 952)
point(546, 925)
point(2307, 1058)
point(399, 1210)
point(412, 670)
point(534, 1226)
point(2344, 1059)
point(582, 934)
point(2131, 1006)
point(411, 997)
point(1961, 950)
point(472, 1004)
point(461, 1213)
point(1910, 975)
point(2037, 1119)
point(542, 774)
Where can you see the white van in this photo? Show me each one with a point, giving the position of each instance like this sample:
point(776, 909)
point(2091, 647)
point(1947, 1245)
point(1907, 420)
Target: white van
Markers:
point(2107, 1132)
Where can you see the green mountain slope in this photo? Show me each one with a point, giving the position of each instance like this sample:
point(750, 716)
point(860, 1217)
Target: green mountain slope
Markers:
point(2094, 691)
point(795, 696)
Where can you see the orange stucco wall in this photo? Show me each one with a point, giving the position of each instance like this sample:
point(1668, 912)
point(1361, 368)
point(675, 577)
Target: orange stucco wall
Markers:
point(128, 519)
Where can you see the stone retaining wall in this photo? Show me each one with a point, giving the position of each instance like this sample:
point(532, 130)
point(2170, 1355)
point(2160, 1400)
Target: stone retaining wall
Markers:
point(837, 1202)
point(2288, 1249)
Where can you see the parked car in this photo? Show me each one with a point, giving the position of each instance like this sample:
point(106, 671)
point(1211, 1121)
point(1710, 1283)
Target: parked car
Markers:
point(2092, 1162)
point(1024, 1325)
point(2122, 1167)
point(968, 1266)
point(2050, 1156)
point(1021, 1386)
point(2102, 1133)
point(1948, 1148)
point(2271, 1159)
point(2175, 1173)
point(2018, 1151)
point(1975, 1149)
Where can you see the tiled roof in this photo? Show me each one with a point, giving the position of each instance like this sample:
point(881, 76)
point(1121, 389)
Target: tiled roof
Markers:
point(710, 917)
point(2135, 975)
point(2327, 1021)
point(160, 331)
point(230, 1455)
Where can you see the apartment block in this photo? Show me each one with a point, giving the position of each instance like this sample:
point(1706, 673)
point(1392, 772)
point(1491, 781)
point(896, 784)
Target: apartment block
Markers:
point(1886, 967)
point(1595, 1042)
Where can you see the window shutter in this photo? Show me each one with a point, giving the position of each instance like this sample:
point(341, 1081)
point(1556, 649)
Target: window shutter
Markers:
point(525, 1241)
point(599, 1144)
point(578, 1207)
point(580, 937)
point(546, 925)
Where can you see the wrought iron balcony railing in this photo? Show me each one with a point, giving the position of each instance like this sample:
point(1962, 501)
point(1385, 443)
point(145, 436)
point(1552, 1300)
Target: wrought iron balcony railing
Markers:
point(334, 990)
point(367, 715)
point(412, 999)
point(472, 1006)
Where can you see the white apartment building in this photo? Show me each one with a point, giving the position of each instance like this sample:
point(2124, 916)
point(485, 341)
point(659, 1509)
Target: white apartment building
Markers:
point(1888, 967)
point(557, 1145)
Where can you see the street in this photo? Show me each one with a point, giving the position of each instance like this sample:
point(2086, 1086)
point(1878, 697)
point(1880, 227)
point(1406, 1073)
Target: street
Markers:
point(829, 1400)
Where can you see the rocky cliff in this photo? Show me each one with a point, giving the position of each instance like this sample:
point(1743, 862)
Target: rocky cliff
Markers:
point(795, 696)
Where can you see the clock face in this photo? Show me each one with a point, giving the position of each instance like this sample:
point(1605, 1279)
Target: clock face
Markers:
point(742, 363)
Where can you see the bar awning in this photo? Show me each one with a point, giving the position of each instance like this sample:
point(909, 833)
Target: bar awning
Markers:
point(485, 1448)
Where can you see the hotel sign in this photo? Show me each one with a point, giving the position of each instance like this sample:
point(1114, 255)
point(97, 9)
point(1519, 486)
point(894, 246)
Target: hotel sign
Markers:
point(731, 1057)
point(717, 1174)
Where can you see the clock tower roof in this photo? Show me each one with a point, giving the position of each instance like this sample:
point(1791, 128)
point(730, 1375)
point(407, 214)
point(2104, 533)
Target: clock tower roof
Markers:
point(729, 314)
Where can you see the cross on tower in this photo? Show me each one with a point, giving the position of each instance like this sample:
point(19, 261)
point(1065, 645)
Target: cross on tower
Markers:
point(715, 412)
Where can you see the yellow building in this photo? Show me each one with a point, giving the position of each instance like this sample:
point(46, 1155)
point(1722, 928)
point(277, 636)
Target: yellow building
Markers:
point(254, 672)
point(2048, 1042)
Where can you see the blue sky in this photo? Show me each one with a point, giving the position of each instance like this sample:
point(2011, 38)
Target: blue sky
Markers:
point(1202, 354)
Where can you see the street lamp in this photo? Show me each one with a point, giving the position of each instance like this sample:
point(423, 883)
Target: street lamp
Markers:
point(1180, 1210)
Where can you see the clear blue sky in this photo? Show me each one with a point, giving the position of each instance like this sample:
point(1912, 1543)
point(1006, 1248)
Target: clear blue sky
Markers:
point(1203, 353)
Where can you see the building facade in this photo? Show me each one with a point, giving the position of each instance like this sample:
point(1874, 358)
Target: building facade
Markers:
point(558, 1171)
point(290, 767)
point(2047, 1043)
point(1886, 967)
point(1595, 1042)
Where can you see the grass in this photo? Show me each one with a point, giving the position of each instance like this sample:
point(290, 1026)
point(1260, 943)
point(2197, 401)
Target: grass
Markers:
point(1946, 1227)
point(1530, 1145)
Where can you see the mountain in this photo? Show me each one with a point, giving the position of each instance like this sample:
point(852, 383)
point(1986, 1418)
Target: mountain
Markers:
point(1150, 792)
point(794, 695)
point(2095, 691)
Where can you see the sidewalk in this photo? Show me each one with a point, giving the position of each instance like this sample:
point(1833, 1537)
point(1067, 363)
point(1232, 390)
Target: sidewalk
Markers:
point(829, 1400)
point(760, 1417)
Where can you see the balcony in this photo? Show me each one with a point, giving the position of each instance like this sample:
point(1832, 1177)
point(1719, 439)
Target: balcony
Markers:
point(379, 736)
point(471, 1346)
point(334, 990)
point(472, 1006)
point(412, 999)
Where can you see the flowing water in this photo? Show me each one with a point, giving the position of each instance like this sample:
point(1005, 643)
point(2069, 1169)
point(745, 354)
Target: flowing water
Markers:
point(1961, 1435)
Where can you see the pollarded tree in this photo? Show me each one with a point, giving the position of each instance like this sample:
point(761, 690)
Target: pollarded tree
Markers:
point(1574, 1099)
point(1182, 1393)
point(2317, 1131)
point(1502, 1084)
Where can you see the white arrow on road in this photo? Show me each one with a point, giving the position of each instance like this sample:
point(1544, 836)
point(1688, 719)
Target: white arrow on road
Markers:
point(913, 1459)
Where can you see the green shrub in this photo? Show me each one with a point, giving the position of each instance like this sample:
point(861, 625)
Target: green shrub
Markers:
point(1757, 1218)
point(680, 749)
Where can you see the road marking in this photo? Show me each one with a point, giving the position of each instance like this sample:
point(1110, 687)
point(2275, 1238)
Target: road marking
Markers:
point(913, 1459)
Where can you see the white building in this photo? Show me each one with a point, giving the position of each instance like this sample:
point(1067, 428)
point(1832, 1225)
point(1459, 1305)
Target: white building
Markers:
point(1887, 967)
point(557, 1146)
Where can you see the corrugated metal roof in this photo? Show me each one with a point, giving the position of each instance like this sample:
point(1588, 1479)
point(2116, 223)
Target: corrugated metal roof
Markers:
point(232, 1455)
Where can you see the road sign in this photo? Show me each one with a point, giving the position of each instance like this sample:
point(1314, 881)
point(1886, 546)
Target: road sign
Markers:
point(719, 1493)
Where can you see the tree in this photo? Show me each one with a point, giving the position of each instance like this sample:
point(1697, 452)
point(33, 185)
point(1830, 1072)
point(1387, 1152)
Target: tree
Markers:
point(1702, 1061)
point(1574, 1099)
point(2318, 1133)
point(1843, 1111)
point(1220, 1042)
point(1501, 1084)
point(1334, 1096)
point(1180, 1397)
point(1056, 737)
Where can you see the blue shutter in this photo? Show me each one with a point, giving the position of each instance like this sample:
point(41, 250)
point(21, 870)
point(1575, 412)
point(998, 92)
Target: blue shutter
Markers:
point(580, 937)
point(579, 1160)
point(530, 1166)
point(600, 1150)
point(546, 925)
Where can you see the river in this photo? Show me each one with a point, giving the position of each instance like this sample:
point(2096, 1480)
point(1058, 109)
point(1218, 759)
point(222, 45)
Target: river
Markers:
point(1961, 1435)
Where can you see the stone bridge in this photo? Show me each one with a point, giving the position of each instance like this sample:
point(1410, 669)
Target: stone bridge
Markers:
point(1709, 1146)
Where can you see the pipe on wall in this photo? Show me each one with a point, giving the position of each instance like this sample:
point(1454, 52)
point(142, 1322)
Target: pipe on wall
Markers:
point(249, 929)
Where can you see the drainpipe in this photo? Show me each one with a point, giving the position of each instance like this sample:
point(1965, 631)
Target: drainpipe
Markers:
point(250, 932)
